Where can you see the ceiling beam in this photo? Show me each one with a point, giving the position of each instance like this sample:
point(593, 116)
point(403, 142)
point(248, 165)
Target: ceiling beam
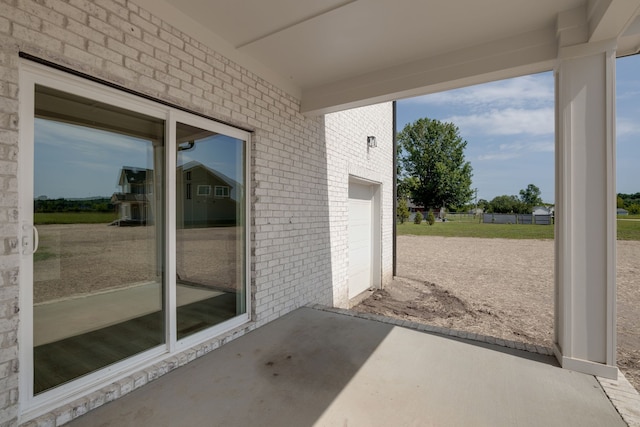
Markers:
point(609, 18)
point(295, 23)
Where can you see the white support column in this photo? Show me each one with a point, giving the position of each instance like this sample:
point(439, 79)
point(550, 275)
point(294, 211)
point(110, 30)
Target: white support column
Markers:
point(585, 243)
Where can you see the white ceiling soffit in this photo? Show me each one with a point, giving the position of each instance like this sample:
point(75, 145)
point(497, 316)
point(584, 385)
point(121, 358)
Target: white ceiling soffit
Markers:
point(336, 54)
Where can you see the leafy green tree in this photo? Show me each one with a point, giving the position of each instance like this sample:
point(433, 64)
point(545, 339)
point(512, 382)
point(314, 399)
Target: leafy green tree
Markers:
point(418, 218)
point(620, 203)
point(630, 199)
point(406, 185)
point(431, 218)
point(634, 209)
point(402, 211)
point(432, 152)
point(507, 204)
point(521, 208)
point(531, 196)
point(501, 204)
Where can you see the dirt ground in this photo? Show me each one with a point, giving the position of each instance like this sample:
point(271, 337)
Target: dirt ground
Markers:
point(82, 259)
point(498, 287)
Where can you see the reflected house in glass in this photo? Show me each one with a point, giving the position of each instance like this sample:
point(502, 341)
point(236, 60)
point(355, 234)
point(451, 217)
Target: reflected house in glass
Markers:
point(136, 186)
point(208, 197)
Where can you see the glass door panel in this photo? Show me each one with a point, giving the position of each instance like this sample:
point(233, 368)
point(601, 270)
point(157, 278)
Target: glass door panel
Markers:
point(210, 240)
point(98, 209)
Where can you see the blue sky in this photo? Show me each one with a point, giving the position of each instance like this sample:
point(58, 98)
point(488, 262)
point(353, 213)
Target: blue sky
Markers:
point(509, 128)
point(76, 162)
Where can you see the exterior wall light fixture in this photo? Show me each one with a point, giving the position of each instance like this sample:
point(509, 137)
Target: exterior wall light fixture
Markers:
point(371, 142)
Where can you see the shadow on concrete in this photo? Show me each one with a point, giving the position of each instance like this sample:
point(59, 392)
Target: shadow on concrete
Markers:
point(313, 367)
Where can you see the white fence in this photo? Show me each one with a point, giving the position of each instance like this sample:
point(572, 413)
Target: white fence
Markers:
point(496, 218)
point(491, 218)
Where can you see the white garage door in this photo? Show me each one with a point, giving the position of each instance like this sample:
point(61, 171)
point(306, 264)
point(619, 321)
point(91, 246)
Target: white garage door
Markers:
point(360, 238)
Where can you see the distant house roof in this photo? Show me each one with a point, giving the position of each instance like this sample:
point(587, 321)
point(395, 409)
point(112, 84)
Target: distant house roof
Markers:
point(235, 186)
point(621, 211)
point(542, 210)
point(411, 204)
point(222, 177)
point(133, 175)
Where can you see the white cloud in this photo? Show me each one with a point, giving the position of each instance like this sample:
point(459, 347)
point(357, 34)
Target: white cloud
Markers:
point(92, 166)
point(85, 139)
point(536, 90)
point(508, 121)
point(624, 94)
point(627, 127)
point(518, 106)
point(499, 156)
point(517, 149)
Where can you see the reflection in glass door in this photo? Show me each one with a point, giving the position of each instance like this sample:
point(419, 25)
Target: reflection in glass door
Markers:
point(98, 210)
point(210, 239)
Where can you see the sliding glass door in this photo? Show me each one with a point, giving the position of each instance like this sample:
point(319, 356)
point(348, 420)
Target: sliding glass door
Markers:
point(134, 222)
point(98, 212)
point(210, 228)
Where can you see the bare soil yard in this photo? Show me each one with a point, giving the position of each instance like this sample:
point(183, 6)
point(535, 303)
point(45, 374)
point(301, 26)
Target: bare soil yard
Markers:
point(83, 259)
point(498, 287)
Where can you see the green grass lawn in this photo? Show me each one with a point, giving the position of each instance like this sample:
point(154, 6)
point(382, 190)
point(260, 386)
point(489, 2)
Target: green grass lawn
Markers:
point(627, 230)
point(74, 218)
point(470, 229)
point(628, 216)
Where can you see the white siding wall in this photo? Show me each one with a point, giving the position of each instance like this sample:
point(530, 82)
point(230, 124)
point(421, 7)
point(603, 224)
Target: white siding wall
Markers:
point(300, 169)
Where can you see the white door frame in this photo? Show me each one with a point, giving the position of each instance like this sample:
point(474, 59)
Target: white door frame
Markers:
point(31, 74)
point(376, 230)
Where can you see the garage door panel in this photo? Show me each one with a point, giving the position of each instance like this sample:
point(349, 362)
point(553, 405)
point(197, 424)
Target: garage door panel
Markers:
point(360, 238)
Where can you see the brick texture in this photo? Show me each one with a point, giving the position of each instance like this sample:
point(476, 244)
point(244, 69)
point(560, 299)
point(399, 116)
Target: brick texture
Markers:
point(300, 165)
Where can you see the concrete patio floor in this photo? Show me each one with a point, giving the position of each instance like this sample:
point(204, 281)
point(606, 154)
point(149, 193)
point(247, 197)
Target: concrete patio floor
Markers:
point(318, 368)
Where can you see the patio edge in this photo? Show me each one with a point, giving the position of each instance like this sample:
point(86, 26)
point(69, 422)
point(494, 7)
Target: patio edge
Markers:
point(624, 398)
point(538, 349)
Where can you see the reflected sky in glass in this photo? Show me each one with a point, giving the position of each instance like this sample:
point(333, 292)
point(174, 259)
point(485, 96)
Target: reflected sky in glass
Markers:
point(74, 161)
point(218, 152)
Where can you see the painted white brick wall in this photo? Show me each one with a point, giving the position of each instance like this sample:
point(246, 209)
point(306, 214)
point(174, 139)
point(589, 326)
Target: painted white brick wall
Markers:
point(348, 155)
point(8, 226)
point(300, 167)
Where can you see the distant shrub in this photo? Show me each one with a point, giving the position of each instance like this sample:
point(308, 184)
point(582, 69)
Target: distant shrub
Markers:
point(418, 218)
point(402, 211)
point(431, 218)
point(634, 209)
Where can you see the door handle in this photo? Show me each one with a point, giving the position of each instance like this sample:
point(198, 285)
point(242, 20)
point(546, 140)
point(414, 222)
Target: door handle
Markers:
point(36, 239)
point(27, 241)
